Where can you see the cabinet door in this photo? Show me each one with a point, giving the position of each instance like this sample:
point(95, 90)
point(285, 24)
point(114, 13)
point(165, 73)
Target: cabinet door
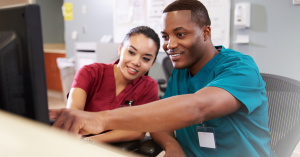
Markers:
point(52, 71)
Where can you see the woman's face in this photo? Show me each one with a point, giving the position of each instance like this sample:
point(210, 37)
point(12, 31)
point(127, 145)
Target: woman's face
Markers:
point(136, 56)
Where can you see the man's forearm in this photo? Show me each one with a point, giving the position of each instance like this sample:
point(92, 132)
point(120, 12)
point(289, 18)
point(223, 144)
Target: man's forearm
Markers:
point(173, 113)
point(159, 116)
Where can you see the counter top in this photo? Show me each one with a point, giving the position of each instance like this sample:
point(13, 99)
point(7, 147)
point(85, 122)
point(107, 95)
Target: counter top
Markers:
point(55, 48)
point(37, 139)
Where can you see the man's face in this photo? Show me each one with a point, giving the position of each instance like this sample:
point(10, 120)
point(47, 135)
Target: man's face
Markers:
point(183, 39)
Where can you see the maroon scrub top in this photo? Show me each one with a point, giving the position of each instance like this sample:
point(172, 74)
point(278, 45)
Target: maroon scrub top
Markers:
point(98, 81)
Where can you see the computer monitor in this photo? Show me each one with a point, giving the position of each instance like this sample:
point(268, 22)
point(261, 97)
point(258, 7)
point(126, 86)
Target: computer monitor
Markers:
point(22, 69)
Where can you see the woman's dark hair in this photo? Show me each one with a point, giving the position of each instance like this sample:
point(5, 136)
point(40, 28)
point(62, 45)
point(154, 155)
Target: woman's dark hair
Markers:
point(148, 32)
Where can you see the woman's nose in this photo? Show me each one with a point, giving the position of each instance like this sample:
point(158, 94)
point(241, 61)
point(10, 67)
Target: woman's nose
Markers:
point(136, 61)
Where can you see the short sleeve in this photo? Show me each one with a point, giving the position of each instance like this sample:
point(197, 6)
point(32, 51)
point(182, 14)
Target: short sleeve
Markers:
point(241, 78)
point(83, 79)
point(150, 95)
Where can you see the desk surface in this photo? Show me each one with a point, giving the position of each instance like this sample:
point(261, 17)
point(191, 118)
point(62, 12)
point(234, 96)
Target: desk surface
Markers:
point(55, 48)
point(23, 137)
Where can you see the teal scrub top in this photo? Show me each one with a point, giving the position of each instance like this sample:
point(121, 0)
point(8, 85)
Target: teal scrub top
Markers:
point(240, 134)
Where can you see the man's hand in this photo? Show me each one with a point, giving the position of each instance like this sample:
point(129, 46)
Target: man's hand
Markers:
point(78, 122)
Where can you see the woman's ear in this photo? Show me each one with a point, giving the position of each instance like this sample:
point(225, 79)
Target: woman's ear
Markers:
point(119, 50)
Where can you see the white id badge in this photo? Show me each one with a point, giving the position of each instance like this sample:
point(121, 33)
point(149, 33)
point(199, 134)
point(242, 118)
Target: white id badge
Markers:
point(206, 136)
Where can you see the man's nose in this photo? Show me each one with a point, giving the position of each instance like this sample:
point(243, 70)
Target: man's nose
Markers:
point(172, 43)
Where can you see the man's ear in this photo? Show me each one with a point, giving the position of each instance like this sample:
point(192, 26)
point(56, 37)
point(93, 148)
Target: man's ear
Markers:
point(206, 32)
point(119, 50)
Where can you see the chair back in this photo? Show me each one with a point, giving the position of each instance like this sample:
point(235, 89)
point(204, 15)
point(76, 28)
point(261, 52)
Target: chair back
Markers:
point(167, 67)
point(284, 113)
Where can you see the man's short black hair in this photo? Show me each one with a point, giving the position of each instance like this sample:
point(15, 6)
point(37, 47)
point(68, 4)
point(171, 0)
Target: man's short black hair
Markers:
point(198, 10)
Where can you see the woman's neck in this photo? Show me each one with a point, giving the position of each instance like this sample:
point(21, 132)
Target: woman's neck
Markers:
point(120, 80)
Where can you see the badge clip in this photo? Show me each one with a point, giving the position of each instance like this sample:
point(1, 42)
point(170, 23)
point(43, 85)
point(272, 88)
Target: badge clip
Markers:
point(129, 102)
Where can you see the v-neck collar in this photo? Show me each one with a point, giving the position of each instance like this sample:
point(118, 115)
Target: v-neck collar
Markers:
point(207, 67)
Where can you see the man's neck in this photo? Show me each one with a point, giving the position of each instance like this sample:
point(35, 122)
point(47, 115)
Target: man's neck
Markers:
point(207, 56)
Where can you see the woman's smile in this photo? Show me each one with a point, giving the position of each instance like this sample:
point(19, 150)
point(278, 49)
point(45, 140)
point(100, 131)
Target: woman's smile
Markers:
point(131, 70)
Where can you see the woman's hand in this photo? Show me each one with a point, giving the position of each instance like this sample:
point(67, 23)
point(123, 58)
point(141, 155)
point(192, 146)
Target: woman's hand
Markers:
point(168, 142)
point(78, 122)
point(174, 150)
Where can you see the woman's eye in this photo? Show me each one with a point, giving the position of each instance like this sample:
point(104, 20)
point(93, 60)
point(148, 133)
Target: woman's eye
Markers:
point(130, 52)
point(146, 59)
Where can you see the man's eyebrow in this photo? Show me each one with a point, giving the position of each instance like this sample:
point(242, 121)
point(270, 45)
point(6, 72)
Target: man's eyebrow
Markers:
point(176, 29)
point(179, 28)
point(133, 47)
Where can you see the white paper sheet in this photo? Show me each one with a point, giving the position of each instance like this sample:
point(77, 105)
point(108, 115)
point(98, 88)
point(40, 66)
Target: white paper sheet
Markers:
point(138, 12)
point(155, 9)
point(219, 13)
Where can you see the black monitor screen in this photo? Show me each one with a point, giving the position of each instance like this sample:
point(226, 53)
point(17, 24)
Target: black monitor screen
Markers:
point(22, 70)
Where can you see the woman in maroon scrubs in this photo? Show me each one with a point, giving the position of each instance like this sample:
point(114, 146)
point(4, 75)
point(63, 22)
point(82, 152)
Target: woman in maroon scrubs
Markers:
point(99, 87)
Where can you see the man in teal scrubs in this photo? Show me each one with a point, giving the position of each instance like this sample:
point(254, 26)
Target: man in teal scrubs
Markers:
point(215, 100)
point(244, 132)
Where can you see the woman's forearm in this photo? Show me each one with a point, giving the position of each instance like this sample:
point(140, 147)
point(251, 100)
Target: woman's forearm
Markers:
point(117, 136)
point(163, 138)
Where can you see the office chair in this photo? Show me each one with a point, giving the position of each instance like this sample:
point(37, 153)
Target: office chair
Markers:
point(167, 67)
point(145, 147)
point(284, 113)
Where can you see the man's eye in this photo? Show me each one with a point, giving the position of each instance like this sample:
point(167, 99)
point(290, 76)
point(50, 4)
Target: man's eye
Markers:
point(146, 59)
point(164, 37)
point(180, 34)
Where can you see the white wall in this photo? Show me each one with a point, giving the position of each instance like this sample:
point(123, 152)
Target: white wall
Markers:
point(274, 32)
point(52, 20)
point(274, 36)
point(98, 21)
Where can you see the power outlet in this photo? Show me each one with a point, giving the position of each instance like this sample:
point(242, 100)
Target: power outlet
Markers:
point(84, 9)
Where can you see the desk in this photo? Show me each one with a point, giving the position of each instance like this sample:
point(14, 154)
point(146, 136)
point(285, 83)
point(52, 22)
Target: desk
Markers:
point(22, 137)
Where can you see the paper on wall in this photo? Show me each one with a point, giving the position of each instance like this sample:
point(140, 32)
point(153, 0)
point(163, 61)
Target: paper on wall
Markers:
point(123, 11)
point(138, 16)
point(155, 9)
point(219, 13)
